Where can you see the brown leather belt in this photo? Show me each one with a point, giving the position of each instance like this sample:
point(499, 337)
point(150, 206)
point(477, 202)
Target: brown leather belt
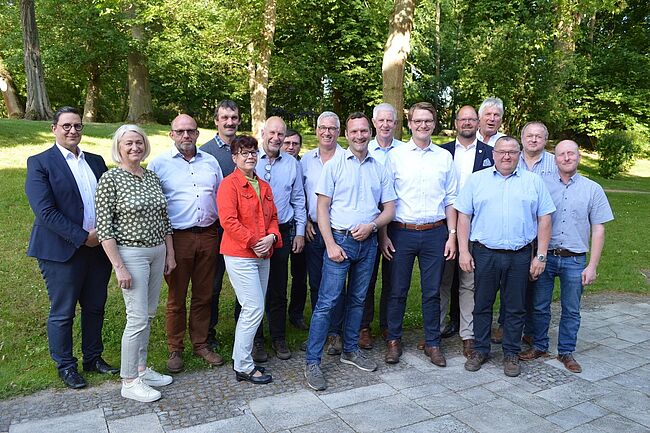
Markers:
point(417, 227)
point(559, 252)
point(198, 229)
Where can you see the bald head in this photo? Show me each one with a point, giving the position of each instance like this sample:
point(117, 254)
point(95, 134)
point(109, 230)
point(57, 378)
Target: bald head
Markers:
point(273, 135)
point(184, 134)
point(567, 157)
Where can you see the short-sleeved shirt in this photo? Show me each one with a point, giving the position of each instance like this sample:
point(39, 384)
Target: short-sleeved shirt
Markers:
point(380, 153)
point(356, 189)
point(544, 166)
point(131, 209)
point(504, 209)
point(580, 203)
point(312, 167)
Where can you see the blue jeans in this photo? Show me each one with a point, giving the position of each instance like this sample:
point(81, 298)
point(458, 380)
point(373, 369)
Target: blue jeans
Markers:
point(569, 269)
point(357, 268)
point(510, 271)
point(315, 253)
point(429, 247)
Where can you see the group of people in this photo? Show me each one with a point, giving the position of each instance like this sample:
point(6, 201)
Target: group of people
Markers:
point(481, 214)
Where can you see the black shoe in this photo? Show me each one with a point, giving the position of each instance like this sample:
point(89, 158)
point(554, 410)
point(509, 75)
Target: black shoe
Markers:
point(450, 330)
point(299, 323)
point(249, 377)
point(72, 378)
point(100, 366)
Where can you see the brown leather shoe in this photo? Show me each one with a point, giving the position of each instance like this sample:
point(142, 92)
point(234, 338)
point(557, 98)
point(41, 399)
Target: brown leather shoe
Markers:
point(435, 355)
point(511, 366)
point(365, 339)
point(527, 339)
point(468, 347)
point(570, 363)
point(497, 335)
point(212, 358)
point(421, 344)
point(384, 334)
point(175, 362)
point(393, 351)
point(533, 353)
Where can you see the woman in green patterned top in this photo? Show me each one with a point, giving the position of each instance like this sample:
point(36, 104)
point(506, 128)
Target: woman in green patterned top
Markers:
point(135, 232)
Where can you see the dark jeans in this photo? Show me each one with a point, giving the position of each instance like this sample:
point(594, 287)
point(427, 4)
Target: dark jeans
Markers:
point(219, 272)
point(82, 279)
point(510, 270)
point(298, 286)
point(369, 305)
point(428, 246)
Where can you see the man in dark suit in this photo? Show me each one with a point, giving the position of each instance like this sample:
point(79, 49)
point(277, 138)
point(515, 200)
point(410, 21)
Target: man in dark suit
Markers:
point(60, 187)
point(470, 155)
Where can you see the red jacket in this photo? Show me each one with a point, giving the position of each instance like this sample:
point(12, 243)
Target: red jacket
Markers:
point(244, 217)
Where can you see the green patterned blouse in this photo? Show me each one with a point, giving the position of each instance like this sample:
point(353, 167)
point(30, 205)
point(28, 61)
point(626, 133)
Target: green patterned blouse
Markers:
point(131, 209)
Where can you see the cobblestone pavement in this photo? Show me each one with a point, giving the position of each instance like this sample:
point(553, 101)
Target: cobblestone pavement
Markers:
point(612, 393)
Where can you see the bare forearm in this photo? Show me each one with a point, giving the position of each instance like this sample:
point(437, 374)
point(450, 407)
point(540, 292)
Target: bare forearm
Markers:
point(597, 244)
point(543, 233)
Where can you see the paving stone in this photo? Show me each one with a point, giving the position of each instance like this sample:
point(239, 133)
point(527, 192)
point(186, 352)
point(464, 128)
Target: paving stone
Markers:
point(328, 426)
point(528, 401)
point(637, 379)
point(642, 350)
point(477, 395)
point(621, 359)
point(630, 404)
point(442, 404)
point(408, 378)
point(573, 393)
point(424, 390)
point(286, 411)
point(379, 415)
point(417, 361)
point(443, 424)
point(616, 423)
point(616, 343)
point(635, 309)
point(135, 424)
point(90, 421)
point(593, 369)
point(591, 409)
point(592, 334)
point(628, 333)
point(569, 418)
point(239, 424)
point(457, 378)
point(357, 395)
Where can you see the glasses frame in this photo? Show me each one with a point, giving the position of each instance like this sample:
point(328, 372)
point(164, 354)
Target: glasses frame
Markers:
point(68, 126)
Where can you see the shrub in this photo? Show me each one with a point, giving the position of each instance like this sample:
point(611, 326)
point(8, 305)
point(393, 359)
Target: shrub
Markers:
point(617, 150)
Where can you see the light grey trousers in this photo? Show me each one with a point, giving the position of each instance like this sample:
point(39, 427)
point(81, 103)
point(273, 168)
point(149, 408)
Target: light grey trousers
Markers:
point(465, 295)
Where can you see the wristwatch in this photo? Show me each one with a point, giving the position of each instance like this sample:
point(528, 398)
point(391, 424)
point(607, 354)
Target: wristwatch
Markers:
point(452, 231)
point(374, 226)
point(541, 258)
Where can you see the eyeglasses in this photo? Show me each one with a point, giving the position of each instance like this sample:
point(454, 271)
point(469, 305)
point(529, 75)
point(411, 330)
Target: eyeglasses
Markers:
point(247, 153)
point(328, 128)
point(503, 153)
point(68, 126)
point(181, 132)
point(418, 122)
point(291, 143)
point(267, 175)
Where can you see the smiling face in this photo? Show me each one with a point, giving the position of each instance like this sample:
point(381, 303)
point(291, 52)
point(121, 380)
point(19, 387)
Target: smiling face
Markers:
point(506, 155)
point(273, 136)
point(466, 122)
point(358, 136)
point(422, 124)
point(131, 148)
point(490, 121)
point(567, 157)
point(327, 132)
point(384, 123)
point(227, 121)
point(68, 139)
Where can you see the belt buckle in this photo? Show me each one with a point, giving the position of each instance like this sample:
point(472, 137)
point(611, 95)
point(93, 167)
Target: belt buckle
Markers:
point(556, 252)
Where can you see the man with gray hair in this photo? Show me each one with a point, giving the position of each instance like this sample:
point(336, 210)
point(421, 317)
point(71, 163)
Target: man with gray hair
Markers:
point(490, 115)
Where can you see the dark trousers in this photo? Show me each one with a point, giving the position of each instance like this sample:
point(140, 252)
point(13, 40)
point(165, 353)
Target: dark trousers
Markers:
point(510, 271)
point(369, 305)
point(219, 272)
point(84, 279)
point(298, 286)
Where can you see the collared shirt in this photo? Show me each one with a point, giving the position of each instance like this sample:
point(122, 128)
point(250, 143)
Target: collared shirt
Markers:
point(424, 180)
point(464, 162)
point(580, 204)
point(189, 186)
point(493, 139)
point(286, 182)
point(544, 166)
point(504, 209)
point(312, 167)
point(356, 189)
point(86, 183)
point(378, 152)
point(221, 151)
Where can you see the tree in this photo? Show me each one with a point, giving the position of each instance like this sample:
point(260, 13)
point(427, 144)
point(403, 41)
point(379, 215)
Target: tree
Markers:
point(38, 104)
point(396, 51)
point(140, 107)
point(9, 93)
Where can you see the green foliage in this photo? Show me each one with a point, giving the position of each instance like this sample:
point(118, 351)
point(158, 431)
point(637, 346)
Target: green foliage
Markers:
point(617, 151)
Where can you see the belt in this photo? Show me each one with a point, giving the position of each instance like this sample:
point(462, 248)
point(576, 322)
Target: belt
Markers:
point(417, 227)
point(342, 232)
point(197, 229)
point(497, 250)
point(559, 252)
point(285, 226)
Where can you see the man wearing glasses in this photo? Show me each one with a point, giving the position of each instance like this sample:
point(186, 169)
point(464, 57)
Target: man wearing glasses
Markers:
point(189, 179)
point(282, 171)
point(500, 212)
point(60, 187)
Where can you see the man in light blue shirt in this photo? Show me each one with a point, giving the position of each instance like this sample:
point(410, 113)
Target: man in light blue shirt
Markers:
point(189, 179)
point(501, 211)
point(350, 190)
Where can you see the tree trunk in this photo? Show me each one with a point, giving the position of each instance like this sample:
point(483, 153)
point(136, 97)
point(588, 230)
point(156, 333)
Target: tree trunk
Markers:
point(258, 68)
point(38, 104)
point(9, 94)
point(395, 53)
point(437, 40)
point(140, 107)
point(92, 94)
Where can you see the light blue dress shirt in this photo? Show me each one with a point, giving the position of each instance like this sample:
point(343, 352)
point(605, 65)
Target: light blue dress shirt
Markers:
point(544, 166)
point(286, 182)
point(378, 152)
point(312, 167)
point(189, 186)
point(356, 189)
point(504, 210)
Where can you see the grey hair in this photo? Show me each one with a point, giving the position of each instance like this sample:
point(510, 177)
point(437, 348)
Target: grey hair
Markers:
point(491, 102)
point(117, 136)
point(384, 106)
point(326, 114)
point(535, 123)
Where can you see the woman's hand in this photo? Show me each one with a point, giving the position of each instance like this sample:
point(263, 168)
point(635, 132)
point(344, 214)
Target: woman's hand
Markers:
point(263, 247)
point(123, 275)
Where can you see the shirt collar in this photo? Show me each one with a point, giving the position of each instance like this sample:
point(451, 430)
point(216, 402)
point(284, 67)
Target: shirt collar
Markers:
point(413, 146)
point(473, 145)
point(67, 154)
point(514, 173)
point(175, 153)
point(348, 155)
point(220, 142)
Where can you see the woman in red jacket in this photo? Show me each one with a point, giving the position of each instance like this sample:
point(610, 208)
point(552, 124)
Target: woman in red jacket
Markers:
point(250, 232)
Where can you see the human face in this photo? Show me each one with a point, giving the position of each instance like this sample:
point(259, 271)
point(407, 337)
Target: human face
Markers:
point(533, 139)
point(184, 133)
point(273, 136)
point(384, 125)
point(358, 135)
point(68, 139)
point(567, 157)
point(490, 121)
point(327, 132)
point(292, 145)
point(246, 160)
point(466, 122)
point(227, 121)
point(422, 124)
point(506, 156)
point(131, 148)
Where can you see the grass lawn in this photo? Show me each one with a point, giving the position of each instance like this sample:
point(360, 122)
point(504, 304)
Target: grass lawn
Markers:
point(25, 365)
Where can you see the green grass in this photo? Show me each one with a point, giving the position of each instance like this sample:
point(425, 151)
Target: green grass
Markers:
point(25, 365)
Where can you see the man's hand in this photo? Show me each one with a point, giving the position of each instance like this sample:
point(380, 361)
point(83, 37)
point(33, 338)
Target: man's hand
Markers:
point(336, 253)
point(536, 268)
point(310, 232)
point(298, 244)
point(386, 247)
point(450, 248)
point(170, 264)
point(589, 275)
point(466, 261)
point(91, 240)
point(361, 232)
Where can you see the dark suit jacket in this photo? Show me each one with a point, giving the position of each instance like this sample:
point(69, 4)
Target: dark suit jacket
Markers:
point(56, 202)
point(483, 159)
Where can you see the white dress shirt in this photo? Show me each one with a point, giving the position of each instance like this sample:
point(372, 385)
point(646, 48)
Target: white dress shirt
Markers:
point(86, 182)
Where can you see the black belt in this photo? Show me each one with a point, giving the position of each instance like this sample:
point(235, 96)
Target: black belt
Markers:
point(559, 252)
point(198, 229)
point(342, 232)
point(285, 226)
point(417, 227)
point(497, 250)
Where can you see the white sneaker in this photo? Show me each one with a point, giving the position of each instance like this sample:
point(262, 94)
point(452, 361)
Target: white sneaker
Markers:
point(139, 391)
point(153, 378)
